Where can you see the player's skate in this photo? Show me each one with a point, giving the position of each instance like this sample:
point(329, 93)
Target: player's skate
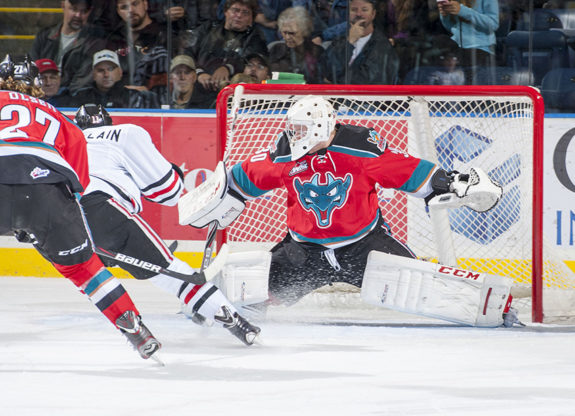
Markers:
point(511, 318)
point(138, 334)
point(237, 325)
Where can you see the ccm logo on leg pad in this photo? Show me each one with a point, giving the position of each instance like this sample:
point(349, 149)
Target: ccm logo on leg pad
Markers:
point(450, 271)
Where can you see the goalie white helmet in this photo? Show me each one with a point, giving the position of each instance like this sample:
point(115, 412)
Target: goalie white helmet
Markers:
point(310, 121)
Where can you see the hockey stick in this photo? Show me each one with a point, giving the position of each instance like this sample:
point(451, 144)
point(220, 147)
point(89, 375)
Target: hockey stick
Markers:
point(209, 247)
point(194, 278)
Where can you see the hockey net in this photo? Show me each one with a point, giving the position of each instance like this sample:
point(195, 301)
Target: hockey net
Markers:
point(499, 129)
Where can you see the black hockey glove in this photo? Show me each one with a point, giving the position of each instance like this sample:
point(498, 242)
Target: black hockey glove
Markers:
point(23, 237)
point(441, 182)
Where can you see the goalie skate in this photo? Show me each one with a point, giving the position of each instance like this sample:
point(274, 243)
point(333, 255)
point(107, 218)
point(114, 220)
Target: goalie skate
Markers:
point(237, 325)
point(138, 334)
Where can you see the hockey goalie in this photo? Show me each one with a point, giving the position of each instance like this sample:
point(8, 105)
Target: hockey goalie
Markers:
point(336, 232)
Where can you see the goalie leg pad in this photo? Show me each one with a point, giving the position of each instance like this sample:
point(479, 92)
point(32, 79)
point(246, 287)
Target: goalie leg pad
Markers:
point(244, 277)
point(434, 290)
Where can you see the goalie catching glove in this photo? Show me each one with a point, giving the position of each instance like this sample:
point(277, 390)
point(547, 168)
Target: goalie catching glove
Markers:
point(211, 201)
point(474, 190)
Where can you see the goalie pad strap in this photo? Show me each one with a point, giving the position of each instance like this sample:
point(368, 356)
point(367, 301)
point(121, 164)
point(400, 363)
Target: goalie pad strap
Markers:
point(434, 290)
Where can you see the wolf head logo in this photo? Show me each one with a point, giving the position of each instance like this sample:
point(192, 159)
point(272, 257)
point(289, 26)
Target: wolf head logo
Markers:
point(323, 198)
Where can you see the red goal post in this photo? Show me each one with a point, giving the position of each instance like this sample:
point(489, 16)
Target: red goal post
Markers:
point(497, 128)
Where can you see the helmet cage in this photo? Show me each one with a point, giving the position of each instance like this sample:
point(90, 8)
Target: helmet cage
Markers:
point(25, 71)
point(310, 121)
point(6, 68)
point(90, 115)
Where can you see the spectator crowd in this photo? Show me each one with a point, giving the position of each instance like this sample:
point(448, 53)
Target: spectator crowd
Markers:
point(144, 54)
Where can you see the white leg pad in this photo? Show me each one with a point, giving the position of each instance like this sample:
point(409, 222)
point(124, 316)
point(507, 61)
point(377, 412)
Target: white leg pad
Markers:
point(244, 277)
point(434, 290)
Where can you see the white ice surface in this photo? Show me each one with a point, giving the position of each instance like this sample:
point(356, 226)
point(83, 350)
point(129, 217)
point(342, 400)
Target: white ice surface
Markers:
point(59, 356)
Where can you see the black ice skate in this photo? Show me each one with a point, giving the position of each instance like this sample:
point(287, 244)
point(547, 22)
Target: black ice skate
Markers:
point(138, 334)
point(240, 327)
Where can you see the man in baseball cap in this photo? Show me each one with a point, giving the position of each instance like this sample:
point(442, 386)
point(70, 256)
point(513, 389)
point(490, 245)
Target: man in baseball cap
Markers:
point(183, 60)
point(51, 79)
point(105, 55)
point(106, 69)
point(108, 88)
point(257, 66)
point(186, 91)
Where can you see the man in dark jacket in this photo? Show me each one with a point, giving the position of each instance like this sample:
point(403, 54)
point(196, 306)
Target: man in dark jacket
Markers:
point(108, 88)
point(70, 44)
point(220, 50)
point(370, 57)
point(186, 91)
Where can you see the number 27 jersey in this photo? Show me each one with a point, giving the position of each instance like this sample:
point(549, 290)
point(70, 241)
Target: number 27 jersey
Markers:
point(38, 144)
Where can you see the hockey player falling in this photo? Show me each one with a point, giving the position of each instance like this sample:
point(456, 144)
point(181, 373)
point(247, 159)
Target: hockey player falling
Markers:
point(124, 167)
point(43, 168)
point(336, 232)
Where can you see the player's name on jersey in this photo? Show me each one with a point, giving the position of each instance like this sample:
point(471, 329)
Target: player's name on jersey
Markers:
point(23, 97)
point(113, 135)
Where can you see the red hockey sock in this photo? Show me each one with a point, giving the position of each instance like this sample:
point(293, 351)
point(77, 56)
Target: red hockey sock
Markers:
point(103, 289)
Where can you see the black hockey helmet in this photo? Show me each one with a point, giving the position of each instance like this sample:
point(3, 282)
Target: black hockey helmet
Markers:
point(92, 115)
point(6, 67)
point(25, 71)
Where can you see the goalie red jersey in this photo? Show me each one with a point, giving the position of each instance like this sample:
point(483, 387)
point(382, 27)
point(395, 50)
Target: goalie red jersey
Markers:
point(40, 145)
point(332, 197)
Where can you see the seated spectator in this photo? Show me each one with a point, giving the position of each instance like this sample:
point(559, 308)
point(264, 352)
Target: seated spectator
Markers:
point(141, 44)
point(256, 71)
point(257, 67)
point(51, 83)
point(109, 90)
point(297, 53)
point(365, 55)
point(266, 19)
point(186, 91)
point(70, 44)
point(450, 72)
point(221, 49)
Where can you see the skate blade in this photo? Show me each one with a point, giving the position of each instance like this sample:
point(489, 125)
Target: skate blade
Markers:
point(158, 360)
point(257, 341)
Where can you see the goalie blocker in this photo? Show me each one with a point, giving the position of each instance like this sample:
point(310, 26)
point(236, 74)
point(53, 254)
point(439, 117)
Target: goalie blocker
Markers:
point(436, 291)
point(211, 201)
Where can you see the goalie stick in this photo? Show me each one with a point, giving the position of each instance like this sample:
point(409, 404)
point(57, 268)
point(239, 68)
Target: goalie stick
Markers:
point(198, 278)
point(209, 247)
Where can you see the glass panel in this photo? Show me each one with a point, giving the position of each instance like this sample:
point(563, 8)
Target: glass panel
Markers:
point(211, 43)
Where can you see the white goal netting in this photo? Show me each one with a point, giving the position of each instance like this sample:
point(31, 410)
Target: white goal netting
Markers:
point(494, 128)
